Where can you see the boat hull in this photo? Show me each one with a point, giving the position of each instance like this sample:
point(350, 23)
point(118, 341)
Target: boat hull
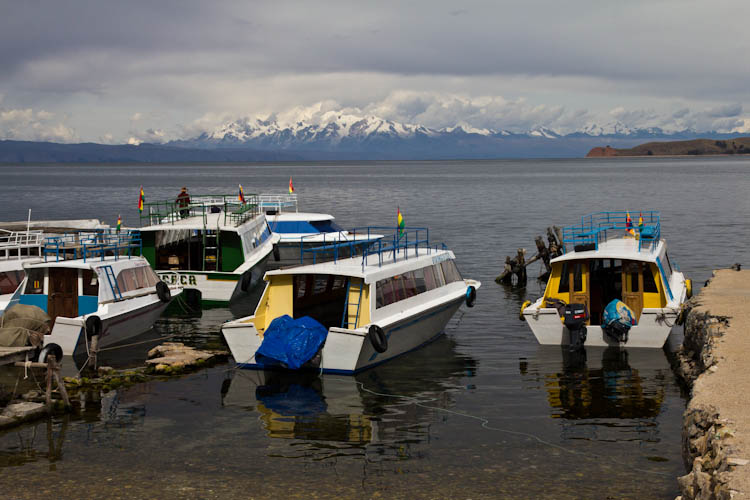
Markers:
point(120, 321)
point(350, 351)
point(218, 288)
point(651, 331)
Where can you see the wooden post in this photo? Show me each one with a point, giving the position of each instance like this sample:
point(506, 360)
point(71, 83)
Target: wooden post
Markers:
point(48, 395)
point(93, 352)
point(60, 383)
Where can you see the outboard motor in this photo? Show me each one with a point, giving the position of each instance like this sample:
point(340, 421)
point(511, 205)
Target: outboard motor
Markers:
point(617, 320)
point(574, 319)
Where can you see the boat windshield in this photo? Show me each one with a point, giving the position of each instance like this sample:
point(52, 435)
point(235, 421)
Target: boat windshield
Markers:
point(326, 226)
point(9, 281)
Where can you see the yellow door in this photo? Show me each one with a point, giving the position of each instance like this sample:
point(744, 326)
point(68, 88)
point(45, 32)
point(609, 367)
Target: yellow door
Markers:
point(579, 283)
point(632, 287)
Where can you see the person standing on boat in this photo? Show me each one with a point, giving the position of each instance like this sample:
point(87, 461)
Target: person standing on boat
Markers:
point(183, 202)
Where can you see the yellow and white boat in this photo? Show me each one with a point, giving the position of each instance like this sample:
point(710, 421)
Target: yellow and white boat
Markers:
point(613, 258)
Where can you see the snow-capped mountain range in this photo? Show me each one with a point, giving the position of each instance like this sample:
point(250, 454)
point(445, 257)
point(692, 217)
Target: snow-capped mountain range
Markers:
point(347, 135)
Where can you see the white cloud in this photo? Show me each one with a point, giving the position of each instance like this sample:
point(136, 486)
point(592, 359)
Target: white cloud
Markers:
point(29, 125)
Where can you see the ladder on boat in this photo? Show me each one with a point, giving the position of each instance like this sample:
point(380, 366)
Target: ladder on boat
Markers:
point(350, 317)
point(112, 280)
point(211, 250)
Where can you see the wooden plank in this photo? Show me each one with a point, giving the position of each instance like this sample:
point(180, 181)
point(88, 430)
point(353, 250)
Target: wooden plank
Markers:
point(9, 355)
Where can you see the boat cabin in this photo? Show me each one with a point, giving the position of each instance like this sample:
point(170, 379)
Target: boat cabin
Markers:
point(214, 233)
point(612, 258)
point(350, 293)
point(108, 270)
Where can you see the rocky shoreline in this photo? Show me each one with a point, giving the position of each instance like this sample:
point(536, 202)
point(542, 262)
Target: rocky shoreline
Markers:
point(711, 362)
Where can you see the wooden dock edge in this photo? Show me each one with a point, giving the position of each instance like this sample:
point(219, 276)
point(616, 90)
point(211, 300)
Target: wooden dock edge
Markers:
point(714, 362)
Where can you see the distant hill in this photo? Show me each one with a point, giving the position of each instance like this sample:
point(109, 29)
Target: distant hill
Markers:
point(694, 147)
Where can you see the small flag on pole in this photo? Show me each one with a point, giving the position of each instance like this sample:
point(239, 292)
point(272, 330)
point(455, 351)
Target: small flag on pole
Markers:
point(291, 186)
point(141, 199)
point(119, 224)
point(629, 224)
point(400, 221)
point(242, 195)
point(640, 222)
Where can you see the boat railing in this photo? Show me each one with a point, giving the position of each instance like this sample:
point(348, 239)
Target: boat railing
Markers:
point(233, 211)
point(99, 243)
point(17, 244)
point(596, 228)
point(374, 242)
point(278, 203)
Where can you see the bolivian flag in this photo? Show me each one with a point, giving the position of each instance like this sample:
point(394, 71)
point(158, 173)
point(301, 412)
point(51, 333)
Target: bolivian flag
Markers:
point(400, 222)
point(119, 224)
point(629, 224)
point(640, 222)
point(242, 195)
point(291, 186)
point(141, 198)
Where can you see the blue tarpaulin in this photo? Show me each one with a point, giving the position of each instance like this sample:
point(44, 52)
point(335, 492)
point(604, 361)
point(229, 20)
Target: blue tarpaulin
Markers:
point(617, 311)
point(292, 342)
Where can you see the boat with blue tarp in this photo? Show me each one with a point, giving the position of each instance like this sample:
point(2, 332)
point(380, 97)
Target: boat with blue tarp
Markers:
point(615, 284)
point(395, 295)
point(94, 283)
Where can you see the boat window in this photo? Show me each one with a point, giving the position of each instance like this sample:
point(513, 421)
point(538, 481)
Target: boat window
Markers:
point(379, 298)
point(564, 279)
point(578, 277)
point(300, 285)
point(439, 279)
point(430, 280)
point(649, 284)
point(398, 288)
point(419, 280)
point(35, 283)
point(450, 271)
point(90, 283)
point(9, 281)
point(136, 278)
point(326, 226)
point(633, 282)
point(321, 283)
point(388, 296)
point(409, 285)
point(669, 263)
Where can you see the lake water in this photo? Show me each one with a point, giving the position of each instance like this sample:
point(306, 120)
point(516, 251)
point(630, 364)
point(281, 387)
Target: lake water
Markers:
point(484, 411)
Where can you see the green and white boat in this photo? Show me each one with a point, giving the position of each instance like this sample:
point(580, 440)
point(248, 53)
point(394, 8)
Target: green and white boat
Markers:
point(215, 244)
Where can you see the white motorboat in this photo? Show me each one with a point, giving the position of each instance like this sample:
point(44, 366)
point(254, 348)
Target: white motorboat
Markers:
point(300, 231)
point(394, 298)
point(216, 244)
point(612, 259)
point(95, 284)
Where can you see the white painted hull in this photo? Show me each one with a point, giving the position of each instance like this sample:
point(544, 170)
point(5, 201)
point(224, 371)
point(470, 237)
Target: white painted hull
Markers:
point(649, 332)
point(350, 351)
point(120, 321)
point(216, 287)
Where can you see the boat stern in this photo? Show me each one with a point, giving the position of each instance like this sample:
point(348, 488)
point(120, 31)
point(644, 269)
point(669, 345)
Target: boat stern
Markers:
point(243, 340)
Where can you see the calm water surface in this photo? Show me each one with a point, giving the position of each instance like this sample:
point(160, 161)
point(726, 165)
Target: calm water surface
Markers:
point(482, 412)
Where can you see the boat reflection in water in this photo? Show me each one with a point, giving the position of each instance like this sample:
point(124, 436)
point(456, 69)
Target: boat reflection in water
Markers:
point(377, 406)
point(605, 393)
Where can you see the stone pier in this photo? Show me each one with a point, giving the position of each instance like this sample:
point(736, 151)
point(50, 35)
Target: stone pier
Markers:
point(714, 361)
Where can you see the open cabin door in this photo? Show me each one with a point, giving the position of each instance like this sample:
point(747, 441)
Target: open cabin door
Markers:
point(63, 293)
point(632, 287)
point(578, 280)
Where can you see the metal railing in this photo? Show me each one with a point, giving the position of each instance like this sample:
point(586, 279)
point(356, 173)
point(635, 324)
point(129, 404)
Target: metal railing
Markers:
point(381, 242)
point(278, 202)
point(596, 228)
point(99, 243)
point(15, 242)
point(228, 206)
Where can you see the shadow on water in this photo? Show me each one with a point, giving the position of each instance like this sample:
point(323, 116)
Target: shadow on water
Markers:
point(371, 410)
point(604, 394)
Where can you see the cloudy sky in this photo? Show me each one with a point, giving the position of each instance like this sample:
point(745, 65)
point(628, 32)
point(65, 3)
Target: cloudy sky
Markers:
point(113, 71)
